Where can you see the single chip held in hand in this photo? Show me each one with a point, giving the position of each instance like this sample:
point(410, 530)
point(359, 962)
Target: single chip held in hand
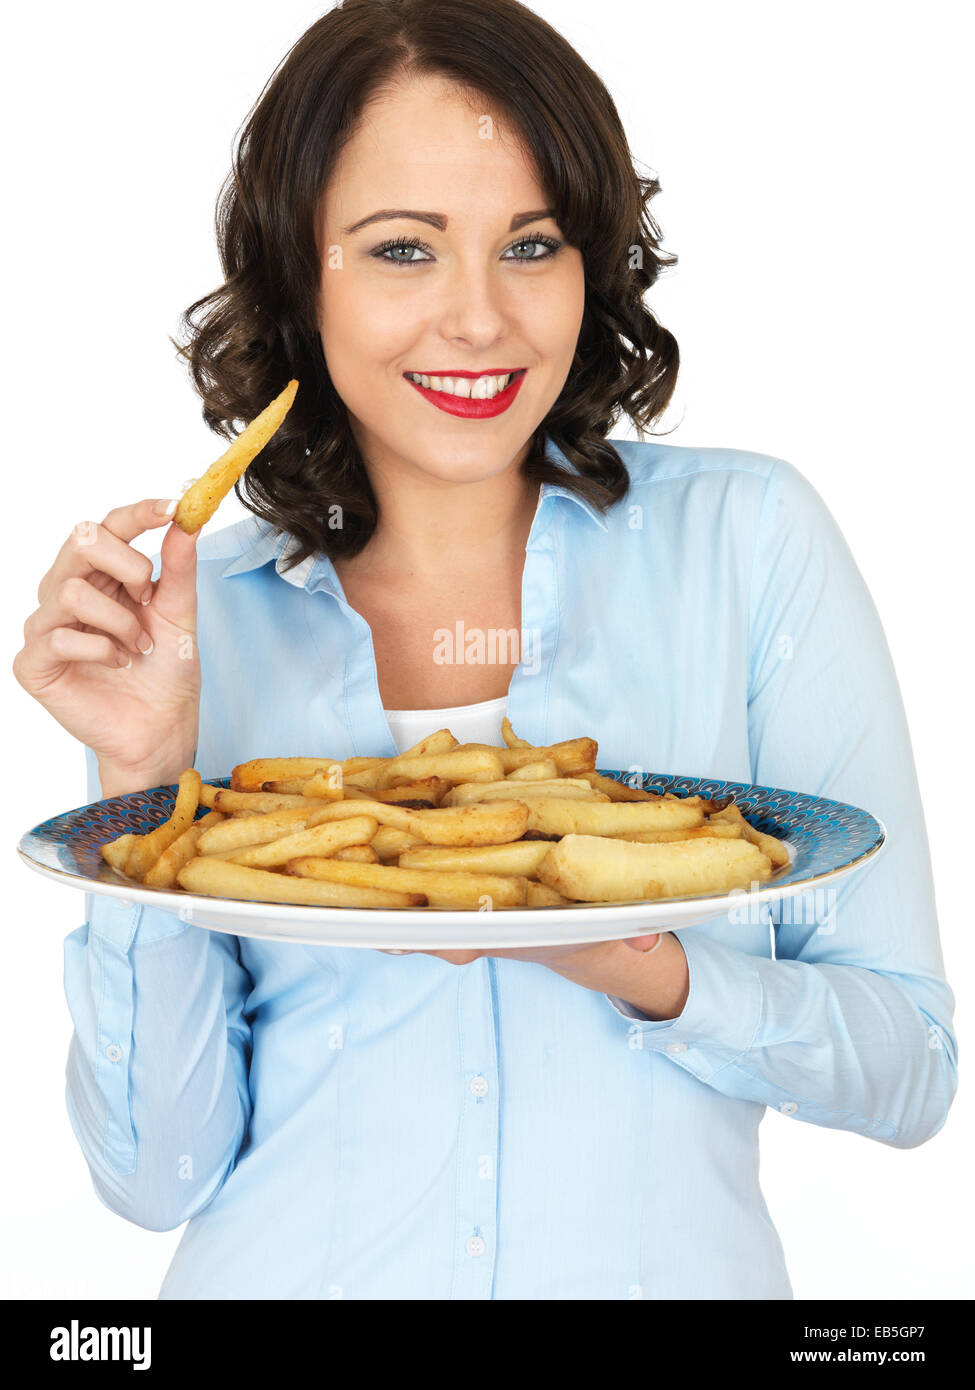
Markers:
point(199, 502)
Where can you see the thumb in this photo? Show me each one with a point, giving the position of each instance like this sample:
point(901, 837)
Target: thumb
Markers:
point(174, 597)
point(643, 943)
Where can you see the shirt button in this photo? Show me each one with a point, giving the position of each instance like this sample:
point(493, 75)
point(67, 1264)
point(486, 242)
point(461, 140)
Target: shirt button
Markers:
point(475, 1245)
point(788, 1107)
point(113, 1052)
point(479, 1086)
point(675, 1048)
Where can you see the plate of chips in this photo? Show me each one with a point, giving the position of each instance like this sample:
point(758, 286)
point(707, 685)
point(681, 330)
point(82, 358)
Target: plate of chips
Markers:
point(452, 846)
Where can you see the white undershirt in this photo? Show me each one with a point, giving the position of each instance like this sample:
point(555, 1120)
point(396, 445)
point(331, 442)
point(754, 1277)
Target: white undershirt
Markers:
point(479, 723)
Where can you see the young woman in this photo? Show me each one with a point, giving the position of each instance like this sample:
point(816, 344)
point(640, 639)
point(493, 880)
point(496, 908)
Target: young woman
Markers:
point(433, 205)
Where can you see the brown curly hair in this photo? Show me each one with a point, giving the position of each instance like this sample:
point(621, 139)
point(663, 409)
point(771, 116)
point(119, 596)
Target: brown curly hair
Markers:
point(247, 338)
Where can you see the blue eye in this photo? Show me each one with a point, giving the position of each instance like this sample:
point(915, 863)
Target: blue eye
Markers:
point(411, 244)
point(536, 239)
point(403, 244)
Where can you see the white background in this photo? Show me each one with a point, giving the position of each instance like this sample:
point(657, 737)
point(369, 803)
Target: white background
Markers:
point(815, 161)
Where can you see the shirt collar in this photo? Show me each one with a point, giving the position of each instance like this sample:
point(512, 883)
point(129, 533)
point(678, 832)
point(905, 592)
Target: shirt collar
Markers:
point(553, 490)
point(261, 542)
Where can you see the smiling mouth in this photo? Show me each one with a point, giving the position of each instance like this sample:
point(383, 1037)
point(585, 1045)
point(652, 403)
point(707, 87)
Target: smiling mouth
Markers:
point(469, 395)
point(473, 386)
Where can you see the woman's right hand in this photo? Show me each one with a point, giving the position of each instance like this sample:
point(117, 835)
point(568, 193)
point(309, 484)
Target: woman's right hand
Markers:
point(113, 656)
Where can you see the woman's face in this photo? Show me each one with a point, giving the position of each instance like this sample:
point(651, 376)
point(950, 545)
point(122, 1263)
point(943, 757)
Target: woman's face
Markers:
point(485, 291)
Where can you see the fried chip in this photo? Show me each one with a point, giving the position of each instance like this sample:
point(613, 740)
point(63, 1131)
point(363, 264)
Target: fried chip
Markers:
point(202, 498)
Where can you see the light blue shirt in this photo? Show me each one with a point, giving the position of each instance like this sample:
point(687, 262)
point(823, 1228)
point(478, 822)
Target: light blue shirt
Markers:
point(339, 1123)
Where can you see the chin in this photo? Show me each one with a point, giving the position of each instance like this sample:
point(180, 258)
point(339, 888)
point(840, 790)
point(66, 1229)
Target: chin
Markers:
point(436, 455)
point(477, 466)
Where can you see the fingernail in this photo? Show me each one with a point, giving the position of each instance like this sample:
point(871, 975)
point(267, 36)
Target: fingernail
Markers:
point(145, 643)
point(146, 595)
point(163, 508)
point(124, 661)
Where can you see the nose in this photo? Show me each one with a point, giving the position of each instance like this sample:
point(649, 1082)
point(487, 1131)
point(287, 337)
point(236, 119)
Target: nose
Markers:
point(474, 304)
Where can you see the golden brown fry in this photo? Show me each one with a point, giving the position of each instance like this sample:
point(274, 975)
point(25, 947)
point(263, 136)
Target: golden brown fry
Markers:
point(617, 791)
point(117, 851)
point(389, 843)
point(326, 784)
point(428, 789)
point(350, 766)
point(251, 776)
point(595, 868)
point(553, 817)
point(318, 840)
point(267, 801)
point(477, 765)
point(221, 879)
point(352, 792)
point(208, 795)
point(440, 742)
point(397, 816)
point(330, 774)
point(542, 771)
point(521, 857)
point(357, 854)
point(163, 873)
point(242, 829)
point(572, 758)
point(148, 848)
point(565, 788)
point(231, 854)
point(366, 778)
point(493, 823)
point(541, 895)
point(458, 890)
point(510, 737)
point(708, 830)
point(489, 823)
point(776, 850)
point(199, 502)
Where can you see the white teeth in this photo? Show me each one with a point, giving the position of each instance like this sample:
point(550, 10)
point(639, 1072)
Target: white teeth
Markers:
point(483, 388)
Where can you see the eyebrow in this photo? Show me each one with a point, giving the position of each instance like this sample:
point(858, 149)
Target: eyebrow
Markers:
point(438, 220)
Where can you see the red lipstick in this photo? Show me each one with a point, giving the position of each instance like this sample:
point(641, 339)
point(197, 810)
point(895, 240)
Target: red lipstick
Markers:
point(463, 405)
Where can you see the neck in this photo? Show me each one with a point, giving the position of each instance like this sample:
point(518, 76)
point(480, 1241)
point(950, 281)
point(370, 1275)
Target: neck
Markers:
point(427, 524)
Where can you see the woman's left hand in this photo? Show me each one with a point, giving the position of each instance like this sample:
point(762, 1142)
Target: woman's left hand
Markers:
point(652, 977)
